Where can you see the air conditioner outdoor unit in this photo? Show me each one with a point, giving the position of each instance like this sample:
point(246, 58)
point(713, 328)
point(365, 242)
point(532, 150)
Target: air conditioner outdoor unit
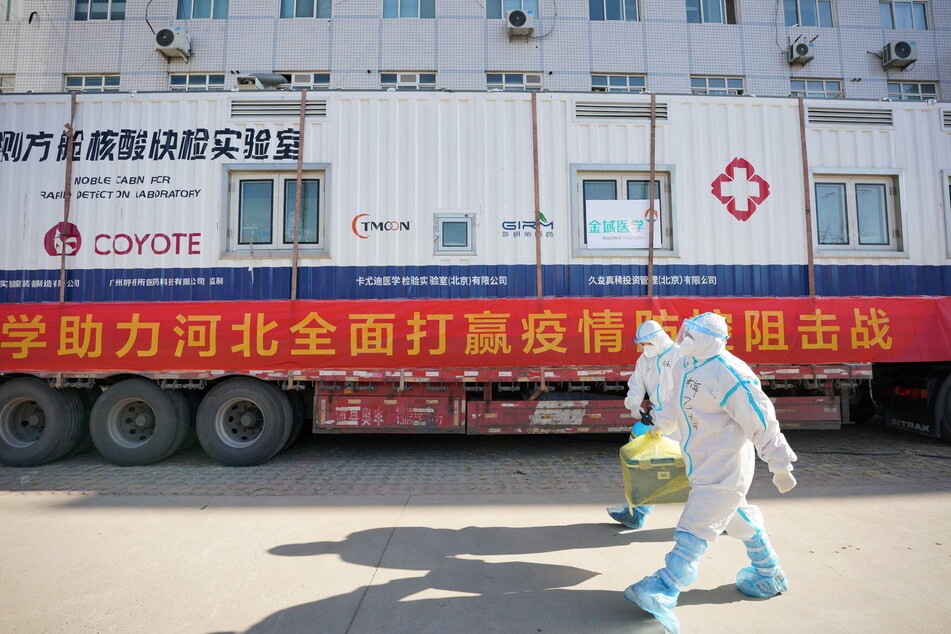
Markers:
point(899, 54)
point(801, 52)
point(520, 22)
point(173, 42)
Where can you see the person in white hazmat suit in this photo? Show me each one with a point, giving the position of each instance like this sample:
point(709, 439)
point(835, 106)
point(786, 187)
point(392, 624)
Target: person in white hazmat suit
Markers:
point(715, 402)
point(657, 353)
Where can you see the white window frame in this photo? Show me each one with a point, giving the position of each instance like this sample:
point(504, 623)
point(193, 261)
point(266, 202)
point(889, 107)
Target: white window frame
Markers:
point(218, 10)
point(442, 218)
point(88, 83)
point(810, 90)
point(889, 5)
point(407, 80)
point(726, 7)
point(307, 80)
point(625, 7)
point(279, 175)
point(621, 175)
point(408, 9)
point(322, 9)
point(7, 83)
point(613, 83)
point(716, 90)
point(528, 81)
point(84, 8)
point(891, 181)
point(498, 9)
point(10, 10)
point(788, 4)
point(903, 94)
point(195, 86)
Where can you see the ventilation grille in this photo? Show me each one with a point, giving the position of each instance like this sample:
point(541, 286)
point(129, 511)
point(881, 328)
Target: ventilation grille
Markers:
point(850, 116)
point(282, 109)
point(946, 117)
point(616, 110)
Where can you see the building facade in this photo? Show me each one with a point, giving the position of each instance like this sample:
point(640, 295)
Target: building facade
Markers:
point(739, 47)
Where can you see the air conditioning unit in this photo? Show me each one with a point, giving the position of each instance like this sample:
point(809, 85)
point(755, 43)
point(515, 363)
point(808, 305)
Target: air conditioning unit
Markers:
point(899, 54)
point(801, 52)
point(249, 82)
point(173, 42)
point(520, 22)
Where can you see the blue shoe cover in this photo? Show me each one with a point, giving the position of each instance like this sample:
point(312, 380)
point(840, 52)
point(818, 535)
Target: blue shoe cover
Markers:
point(653, 595)
point(753, 584)
point(622, 514)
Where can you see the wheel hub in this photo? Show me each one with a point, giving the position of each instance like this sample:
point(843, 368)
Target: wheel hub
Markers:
point(22, 423)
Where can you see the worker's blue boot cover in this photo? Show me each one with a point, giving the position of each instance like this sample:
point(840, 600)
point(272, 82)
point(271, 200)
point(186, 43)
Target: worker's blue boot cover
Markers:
point(764, 578)
point(622, 513)
point(658, 593)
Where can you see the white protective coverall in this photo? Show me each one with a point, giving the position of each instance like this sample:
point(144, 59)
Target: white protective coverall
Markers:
point(714, 403)
point(657, 352)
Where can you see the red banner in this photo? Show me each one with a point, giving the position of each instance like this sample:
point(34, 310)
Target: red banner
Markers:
point(455, 333)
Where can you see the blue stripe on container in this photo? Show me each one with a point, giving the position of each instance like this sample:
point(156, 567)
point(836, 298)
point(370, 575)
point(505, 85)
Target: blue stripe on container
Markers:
point(578, 280)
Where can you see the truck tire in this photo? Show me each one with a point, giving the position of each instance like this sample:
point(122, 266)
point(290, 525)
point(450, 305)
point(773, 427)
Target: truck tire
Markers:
point(88, 398)
point(297, 418)
point(243, 422)
point(135, 422)
point(38, 423)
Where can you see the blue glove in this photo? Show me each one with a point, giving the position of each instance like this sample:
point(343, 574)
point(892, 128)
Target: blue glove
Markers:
point(640, 429)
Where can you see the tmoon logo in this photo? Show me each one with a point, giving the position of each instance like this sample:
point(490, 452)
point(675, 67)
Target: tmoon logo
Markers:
point(63, 239)
point(362, 227)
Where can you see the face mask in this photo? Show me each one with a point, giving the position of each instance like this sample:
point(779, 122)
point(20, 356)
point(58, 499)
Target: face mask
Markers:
point(649, 350)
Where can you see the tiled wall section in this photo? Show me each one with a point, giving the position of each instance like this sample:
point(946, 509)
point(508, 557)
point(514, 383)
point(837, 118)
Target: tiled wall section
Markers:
point(461, 45)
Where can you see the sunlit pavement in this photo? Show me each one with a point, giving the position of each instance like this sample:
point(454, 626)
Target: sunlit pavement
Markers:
point(412, 534)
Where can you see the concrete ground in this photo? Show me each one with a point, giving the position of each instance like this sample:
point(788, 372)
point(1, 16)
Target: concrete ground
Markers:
point(864, 540)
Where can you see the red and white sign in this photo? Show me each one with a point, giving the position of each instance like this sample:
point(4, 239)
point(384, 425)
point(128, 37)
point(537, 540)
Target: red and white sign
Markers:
point(740, 188)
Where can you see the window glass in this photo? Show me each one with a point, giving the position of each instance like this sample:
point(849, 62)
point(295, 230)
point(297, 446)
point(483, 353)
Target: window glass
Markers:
point(790, 12)
point(885, 9)
point(872, 214)
point(499, 8)
point(595, 9)
point(693, 11)
point(610, 212)
point(197, 9)
point(455, 234)
point(918, 18)
point(711, 11)
point(830, 213)
point(307, 233)
point(597, 190)
point(254, 215)
point(99, 10)
point(903, 19)
point(808, 13)
point(305, 8)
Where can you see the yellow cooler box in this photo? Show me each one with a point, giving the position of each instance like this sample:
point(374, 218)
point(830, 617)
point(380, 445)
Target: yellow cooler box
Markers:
point(654, 472)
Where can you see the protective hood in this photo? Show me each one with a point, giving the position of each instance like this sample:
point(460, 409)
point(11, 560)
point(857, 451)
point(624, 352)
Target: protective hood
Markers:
point(703, 337)
point(652, 338)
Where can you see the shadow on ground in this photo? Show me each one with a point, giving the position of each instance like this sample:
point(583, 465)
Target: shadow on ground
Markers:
point(447, 586)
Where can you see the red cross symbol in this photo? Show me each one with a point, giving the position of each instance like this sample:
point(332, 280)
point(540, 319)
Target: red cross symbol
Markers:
point(741, 193)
